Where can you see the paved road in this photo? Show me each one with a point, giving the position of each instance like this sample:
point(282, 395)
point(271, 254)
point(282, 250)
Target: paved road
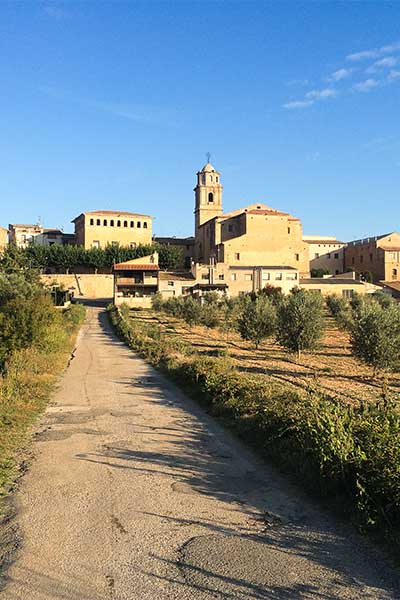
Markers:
point(135, 494)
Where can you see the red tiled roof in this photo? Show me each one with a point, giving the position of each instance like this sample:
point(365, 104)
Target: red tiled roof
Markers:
point(264, 211)
point(135, 267)
point(325, 242)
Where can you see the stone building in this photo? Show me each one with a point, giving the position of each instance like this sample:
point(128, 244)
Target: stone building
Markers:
point(97, 229)
point(185, 245)
point(3, 238)
point(23, 234)
point(325, 252)
point(377, 255)
point(254, 235)
point(136, 281)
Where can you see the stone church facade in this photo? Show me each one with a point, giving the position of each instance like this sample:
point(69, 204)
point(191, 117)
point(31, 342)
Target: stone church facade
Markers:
point(256, 235)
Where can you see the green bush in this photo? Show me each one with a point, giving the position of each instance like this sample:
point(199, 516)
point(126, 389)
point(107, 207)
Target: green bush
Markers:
point(375, 335)
point(257, 320)
point(300, 321)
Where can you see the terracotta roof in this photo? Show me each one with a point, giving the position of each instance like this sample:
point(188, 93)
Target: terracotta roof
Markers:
point(263, 211)
point(25, 225)
point(325, 242)
point(392, 284)
point(176, 275)
point(135, 267)
point(271, 268)
point(115, 213)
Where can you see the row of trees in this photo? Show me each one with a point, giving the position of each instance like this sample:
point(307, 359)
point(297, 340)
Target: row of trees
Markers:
point(67, 258)
point(297, 321)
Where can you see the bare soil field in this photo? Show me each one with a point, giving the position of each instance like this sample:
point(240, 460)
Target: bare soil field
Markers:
point(331, 368)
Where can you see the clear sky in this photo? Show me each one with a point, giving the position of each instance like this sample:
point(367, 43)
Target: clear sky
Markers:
point(109, 105)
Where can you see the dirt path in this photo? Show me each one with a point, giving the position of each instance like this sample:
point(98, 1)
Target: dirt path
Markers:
point(136, 494)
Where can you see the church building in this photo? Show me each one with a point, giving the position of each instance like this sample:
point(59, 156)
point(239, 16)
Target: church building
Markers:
point(256, 235)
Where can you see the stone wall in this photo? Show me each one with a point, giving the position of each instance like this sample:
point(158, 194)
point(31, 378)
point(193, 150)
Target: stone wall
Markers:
point(88, 285)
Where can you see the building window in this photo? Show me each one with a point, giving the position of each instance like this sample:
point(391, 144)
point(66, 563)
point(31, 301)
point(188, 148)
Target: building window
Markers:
point(216, 179)
point(347, 293)
point(316, 255)
point(248, 277)
point(337, 272)
point(132, 224)
point(211, 197)
point(394, 273)
point(328, 255)
point(297, 256)
point(352, 260)
point(278, 277)
point(237, 256)
point(98, 222)
point(336, 255)
point(170, 283)
point(96, 244)
point(118, 223)
point(105, 222)
point(288, 230)
point(125, 223)
point(138, 224)
point(205, 276)
point(221, 276)
point(112, 223)
point(92, 221)
point(145, 225)
point(233, 276)
point(132, 244)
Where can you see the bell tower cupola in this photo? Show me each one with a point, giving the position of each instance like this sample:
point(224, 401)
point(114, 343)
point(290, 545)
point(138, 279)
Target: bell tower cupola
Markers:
point(208, 195)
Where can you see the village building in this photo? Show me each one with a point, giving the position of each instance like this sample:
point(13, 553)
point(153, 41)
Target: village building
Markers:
point(378, 255)
point(49, 237)
point(344, 284)
point(3, 238)
point(254, 235)
point(325, 253)
point(98, 229)
point(23, 234)
point(136, 281)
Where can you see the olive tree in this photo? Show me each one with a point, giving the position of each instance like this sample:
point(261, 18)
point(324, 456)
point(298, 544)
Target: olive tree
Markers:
point(257, 319)
point(375, 336)
point(301, 321)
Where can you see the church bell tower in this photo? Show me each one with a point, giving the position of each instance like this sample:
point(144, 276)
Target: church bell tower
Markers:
point(208, 195)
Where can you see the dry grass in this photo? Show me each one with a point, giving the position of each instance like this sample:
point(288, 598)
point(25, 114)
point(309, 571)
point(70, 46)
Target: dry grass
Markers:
point(332, 367)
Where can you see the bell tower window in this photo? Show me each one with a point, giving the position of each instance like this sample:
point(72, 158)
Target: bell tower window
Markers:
point(211, 197)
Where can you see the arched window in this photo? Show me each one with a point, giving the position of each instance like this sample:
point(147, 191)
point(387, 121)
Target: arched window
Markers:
point(98, 222)
point(394, 273)
point(125, 223)
point(211, 197)
point(92, 221)
point(112, 223)
point(118, 223)
point(132, 224)
point(138, 224)
point(216, 179)
point(105, 222)
point(145, 225)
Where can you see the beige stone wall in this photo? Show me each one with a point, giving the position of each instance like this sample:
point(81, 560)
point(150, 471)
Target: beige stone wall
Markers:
point(88, 285)
point(132, 302)
point(3, 238)
point(379, 256)
point(22, 235)
point(131, 229)
point(338, 288)
point(264, 241)
point(326, 254)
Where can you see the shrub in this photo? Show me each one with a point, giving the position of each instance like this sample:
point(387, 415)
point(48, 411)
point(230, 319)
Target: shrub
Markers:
point(340, 310)
point(300, 321)
point(257, 320)
point(375, 336)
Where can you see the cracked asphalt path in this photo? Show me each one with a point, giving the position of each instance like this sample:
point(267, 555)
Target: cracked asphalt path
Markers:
point(136, 494)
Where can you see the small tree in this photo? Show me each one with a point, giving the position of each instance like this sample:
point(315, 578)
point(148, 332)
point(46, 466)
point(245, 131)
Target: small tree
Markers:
point(375, 336)
point(300, 321)
point(319, 272)
point(191, 311)
point(257, 320)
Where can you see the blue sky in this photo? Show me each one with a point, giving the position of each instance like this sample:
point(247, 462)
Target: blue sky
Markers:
point(115, 104)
